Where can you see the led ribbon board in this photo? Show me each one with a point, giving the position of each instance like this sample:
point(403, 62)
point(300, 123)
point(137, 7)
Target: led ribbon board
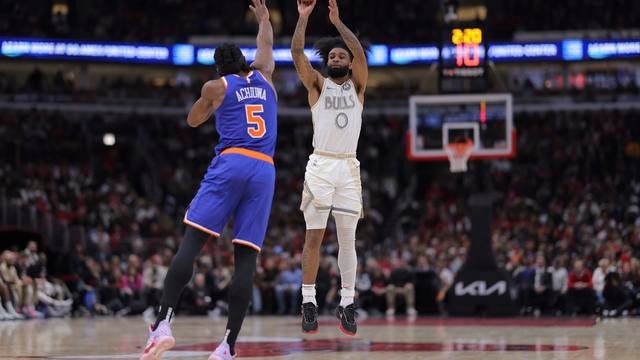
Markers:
point(464, 50)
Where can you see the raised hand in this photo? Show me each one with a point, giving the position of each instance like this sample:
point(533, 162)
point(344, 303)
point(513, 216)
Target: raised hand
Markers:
point(334, 12)
point(260, 9)
point(305, 7)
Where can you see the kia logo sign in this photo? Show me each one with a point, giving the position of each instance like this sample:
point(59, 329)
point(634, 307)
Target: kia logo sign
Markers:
point(480, 288)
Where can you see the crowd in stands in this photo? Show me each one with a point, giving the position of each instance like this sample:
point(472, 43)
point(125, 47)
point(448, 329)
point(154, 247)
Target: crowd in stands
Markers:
point(568, 202)
point(74, 86)
point(166, 21)
point(568, 15)
point(66, 86)
point(566, 220)
point(59, 165)
point(24, 284)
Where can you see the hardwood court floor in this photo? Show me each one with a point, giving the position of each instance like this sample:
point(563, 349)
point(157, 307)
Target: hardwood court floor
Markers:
point(280, 339)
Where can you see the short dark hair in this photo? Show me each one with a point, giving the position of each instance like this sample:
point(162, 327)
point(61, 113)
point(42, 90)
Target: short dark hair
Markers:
point(229, 59)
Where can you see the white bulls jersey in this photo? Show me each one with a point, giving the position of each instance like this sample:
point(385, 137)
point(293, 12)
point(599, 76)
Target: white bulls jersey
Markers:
point(332, 178)
point(337, 118)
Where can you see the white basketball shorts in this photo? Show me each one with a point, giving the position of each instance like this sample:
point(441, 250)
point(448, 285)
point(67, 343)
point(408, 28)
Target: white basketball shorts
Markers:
point(331, 185)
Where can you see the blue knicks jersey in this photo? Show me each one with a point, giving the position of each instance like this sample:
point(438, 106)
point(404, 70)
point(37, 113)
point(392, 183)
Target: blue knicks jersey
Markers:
point(247, 117)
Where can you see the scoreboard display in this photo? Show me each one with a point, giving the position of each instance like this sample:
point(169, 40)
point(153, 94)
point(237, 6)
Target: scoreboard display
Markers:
point(462, 65)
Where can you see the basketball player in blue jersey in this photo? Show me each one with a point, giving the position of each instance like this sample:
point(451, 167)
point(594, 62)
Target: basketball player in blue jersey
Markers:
point(239, 183)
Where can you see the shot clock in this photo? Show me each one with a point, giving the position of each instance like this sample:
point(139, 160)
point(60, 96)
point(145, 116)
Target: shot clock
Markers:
point(462, 60)
point(467, 46)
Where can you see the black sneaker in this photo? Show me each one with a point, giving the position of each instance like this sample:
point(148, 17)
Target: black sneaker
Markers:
point(347, 317)
point(309, 318)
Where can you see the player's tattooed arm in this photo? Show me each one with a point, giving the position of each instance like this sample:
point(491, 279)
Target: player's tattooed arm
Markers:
point(264, 56)
point(360, 69)
point(308, 75)
point(211, 97)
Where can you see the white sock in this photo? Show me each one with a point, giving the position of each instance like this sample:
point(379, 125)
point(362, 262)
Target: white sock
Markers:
point(226, 337)
point(309, 294)
point(346, 296)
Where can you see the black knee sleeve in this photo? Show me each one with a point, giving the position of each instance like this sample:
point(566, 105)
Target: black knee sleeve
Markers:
point(180, 271)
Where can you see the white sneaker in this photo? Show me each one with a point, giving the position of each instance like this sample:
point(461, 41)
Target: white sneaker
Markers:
point(160, 340)
point(391, 312)
point(4, 315)
point(13, 312)
point(412, 312)
point(222, 352)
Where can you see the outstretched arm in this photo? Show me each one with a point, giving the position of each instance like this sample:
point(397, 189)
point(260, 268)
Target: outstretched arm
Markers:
point(264, 55)
point(308, 75)
point(211, 97)
point(360, 69)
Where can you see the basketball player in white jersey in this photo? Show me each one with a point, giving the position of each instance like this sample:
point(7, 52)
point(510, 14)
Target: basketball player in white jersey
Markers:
point(332, 178)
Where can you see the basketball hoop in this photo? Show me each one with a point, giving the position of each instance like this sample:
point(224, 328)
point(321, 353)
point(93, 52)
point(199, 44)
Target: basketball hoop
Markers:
point(458, 154)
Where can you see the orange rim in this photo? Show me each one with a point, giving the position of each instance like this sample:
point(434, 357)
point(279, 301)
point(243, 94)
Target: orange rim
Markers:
point(460, 149)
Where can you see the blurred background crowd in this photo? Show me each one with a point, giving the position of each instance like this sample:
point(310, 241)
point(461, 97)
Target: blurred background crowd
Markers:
point(97, 166)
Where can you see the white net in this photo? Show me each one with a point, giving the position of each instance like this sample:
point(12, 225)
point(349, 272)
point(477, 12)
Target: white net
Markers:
point(459, 154)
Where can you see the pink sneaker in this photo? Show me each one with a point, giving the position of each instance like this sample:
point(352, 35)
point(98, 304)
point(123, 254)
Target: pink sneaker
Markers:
point(31, 313)
point(159, 341)
point(222, 352)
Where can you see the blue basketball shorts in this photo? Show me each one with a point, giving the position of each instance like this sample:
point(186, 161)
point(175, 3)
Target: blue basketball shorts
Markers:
point(239, 183)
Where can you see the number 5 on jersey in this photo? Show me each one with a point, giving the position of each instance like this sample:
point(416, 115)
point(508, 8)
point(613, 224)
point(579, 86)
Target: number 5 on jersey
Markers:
point(257, 127)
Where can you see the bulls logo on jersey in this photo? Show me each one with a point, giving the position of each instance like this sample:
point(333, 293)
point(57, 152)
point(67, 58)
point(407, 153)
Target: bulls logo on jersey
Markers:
point(342, 120)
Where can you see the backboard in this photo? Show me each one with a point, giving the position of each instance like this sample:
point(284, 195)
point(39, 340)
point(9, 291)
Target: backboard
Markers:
point(485, 119)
